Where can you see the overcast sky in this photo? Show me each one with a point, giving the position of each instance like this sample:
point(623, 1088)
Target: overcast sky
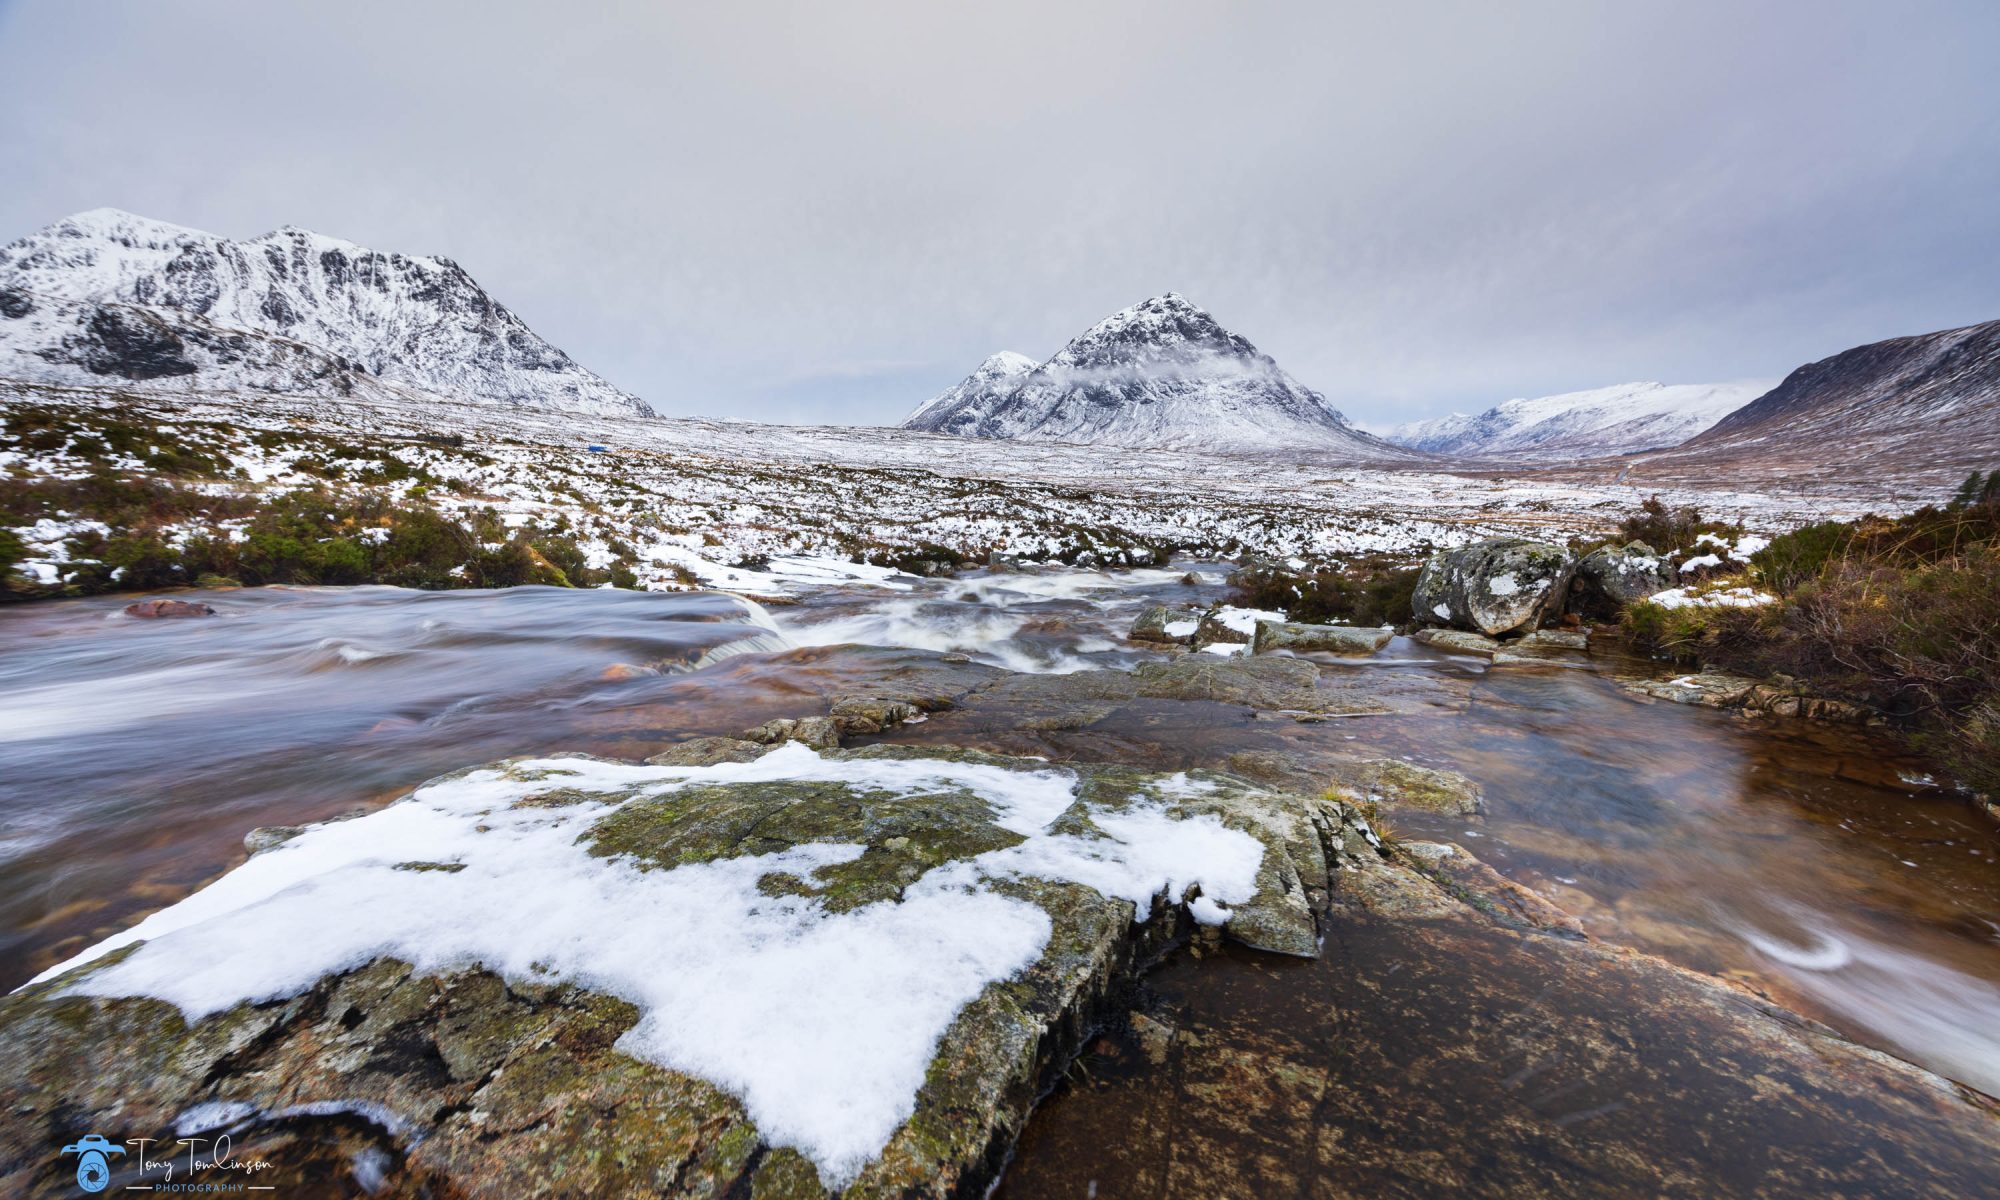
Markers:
point(829, 211)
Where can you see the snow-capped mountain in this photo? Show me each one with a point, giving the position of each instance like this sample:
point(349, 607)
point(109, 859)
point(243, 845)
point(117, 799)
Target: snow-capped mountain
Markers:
point(1623, 419)
point(106, 296)
point(1161, 373)
point(1930, 400)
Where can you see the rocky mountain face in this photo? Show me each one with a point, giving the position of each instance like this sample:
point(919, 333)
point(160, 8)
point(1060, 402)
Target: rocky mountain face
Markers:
point(1163, 373)
point(108, 297)
point(1932, 399)
point(1622, 419)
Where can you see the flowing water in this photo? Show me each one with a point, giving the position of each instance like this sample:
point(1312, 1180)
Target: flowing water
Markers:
point(135, 754)
point(1810, 862)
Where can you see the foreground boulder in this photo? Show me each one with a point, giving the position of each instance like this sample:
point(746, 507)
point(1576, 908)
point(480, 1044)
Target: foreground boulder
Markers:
point(1493, 587)
point(1331, 639)
point(732, 1055)
point(1610, 577)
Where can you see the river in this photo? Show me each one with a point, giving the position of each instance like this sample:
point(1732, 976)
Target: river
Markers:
point(1812, 863)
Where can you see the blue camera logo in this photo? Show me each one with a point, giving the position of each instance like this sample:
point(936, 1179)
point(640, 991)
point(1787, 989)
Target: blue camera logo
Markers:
point(92, 1171)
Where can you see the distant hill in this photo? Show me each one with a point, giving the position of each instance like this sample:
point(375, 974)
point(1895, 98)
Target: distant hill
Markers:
point(1622, 419)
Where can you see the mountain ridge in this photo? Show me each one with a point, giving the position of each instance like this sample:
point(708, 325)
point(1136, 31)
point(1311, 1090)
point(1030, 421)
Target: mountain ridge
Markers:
point(108, 294)
point(1923, 400)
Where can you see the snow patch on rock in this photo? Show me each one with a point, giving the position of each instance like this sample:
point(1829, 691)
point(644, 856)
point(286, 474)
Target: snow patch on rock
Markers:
point(822, 1022)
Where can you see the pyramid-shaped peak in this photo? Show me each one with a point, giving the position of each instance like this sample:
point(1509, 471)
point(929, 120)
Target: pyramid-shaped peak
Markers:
point(1168, 325)
point(1164, 311)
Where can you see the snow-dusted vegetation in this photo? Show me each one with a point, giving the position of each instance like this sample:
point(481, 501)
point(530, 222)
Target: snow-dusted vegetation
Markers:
point(668, 504)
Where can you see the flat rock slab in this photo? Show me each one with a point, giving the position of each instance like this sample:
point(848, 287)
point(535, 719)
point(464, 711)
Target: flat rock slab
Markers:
point(1720, 689)
point(1385, 781)
point(1330, 639)
point(1459, 641)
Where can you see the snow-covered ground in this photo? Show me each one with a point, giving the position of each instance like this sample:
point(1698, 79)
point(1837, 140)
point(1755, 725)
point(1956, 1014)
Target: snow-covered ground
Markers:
point(774, 509)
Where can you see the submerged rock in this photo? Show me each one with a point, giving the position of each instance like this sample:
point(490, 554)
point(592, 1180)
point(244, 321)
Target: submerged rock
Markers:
point(1332, 639)
point(154, 609)
point(1492, 587)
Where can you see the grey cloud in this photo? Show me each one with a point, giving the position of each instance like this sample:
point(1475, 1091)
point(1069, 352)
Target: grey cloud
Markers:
point(829, 212)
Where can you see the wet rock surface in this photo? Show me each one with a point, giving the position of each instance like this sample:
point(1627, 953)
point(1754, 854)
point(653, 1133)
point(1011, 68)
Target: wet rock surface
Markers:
point(1457, 1036)
point(1447, 1045)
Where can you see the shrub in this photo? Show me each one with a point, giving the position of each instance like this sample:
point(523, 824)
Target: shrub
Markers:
point(1971, 749)
point(1366, 592)
point(1685, 634)
point(1670, 530)
point(1794, 558)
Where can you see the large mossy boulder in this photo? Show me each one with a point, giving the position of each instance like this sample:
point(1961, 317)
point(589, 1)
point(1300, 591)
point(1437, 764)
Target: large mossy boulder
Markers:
point(477, 1078)
point(1501, 585)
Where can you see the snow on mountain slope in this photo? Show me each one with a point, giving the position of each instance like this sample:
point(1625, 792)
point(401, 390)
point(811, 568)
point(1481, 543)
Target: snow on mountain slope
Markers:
point(1162, 373)
point(106, 295)
point(997, 367)
point(1623, 419)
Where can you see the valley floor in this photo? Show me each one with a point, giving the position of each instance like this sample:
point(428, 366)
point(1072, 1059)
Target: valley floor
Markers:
point(687, 502)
